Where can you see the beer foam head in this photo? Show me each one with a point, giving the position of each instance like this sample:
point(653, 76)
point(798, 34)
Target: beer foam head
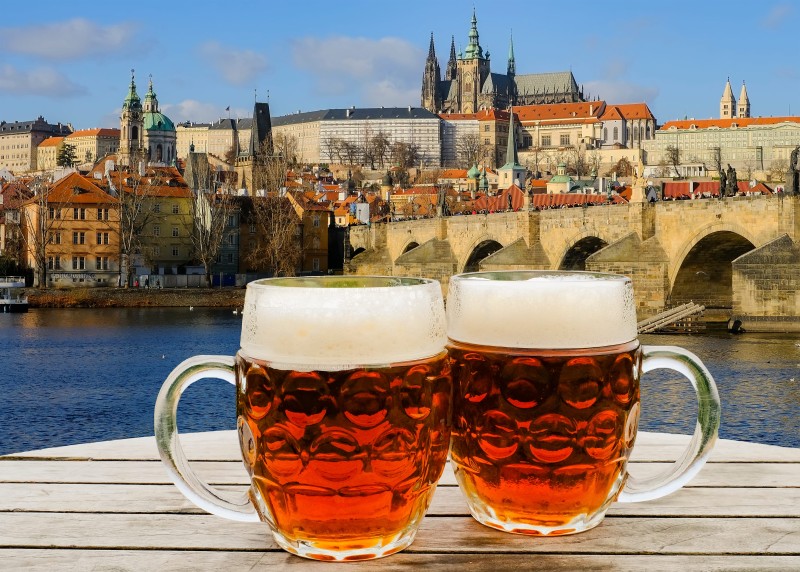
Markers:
point(342, 322)
point(541, 309)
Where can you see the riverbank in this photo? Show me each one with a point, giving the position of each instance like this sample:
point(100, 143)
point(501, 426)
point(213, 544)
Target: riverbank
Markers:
point(135, 297)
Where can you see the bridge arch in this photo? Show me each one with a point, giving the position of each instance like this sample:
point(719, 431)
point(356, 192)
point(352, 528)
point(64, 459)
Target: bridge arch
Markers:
point(702, 272)
point(480, 249)
point(578, 249)
point(410, 245)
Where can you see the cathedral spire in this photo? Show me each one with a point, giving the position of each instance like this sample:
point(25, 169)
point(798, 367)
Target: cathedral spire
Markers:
point(512, 67)
point(743, 110)
point(452, 66)
point(512, 159)
point(727, 103)
point(474, 49)
point(431, 49)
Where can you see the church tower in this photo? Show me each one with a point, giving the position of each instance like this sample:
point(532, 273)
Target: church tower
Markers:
point(131, 126)
point(512, 173)
point(727, 104)
point(431, 98)
point(743, 109)
point(473, 69)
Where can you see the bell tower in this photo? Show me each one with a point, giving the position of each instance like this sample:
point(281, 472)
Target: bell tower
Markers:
point(431, 99)
point(473, 69)
point(727, 104)
point(131, 124)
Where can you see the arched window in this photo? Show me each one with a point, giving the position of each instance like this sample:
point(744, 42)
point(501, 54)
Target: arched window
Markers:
point(616, 133)
point(648, 132)
point(135, 133)
point(605, 133)
point(641, 133)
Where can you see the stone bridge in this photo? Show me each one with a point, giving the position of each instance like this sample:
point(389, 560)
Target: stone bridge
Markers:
point(738, 256)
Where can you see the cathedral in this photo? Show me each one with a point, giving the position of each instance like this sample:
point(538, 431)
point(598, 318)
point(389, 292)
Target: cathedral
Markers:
point(469, 84)
point(144, 130)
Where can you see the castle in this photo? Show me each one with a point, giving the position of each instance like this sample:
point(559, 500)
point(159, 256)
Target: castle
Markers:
point(469, 85)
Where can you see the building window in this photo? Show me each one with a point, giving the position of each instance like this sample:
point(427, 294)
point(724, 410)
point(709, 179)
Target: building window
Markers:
point(55, 238)
point(229, 257)
point(157, 251)
point(231, 220)
point(252, 228)
point(174, 251)
point(486, 141)
point(545, 141)
point(102, 238)
point(564, 139)
point(616, 133)
point(78, 238)
point(231, 239)
point(54, 213)
point(79, 213)
point(174, 231)
point(157, 208)
point(175, 208)
point(156, 230)
point(102, 214)
point(315, 264)
point(79, 263)
point(316, 220)
point(527, 141)
point(486, 127)
point(54, 263)
point(101, 263)
point(605, 133)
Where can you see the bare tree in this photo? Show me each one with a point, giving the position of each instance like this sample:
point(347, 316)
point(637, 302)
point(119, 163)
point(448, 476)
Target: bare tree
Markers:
point(39, 222)
point(468, 150)
point(777, 170)
point(405, 155)
point(278, 245)
point(380, 146)
point(715, 158)
point(137, 210)
point(576, 160)
point(210, 212)
point(622, 168)
point(287, 145)
point(673, 158)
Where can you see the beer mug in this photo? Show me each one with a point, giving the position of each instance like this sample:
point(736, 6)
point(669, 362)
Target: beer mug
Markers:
point(343, 395)
point(546, 369)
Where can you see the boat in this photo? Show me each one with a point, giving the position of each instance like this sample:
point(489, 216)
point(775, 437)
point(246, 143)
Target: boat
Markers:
point(12, 299)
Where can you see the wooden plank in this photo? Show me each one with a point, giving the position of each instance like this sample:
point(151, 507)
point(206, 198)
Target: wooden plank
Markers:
point(36, 560)
point(232, 473)
point(223, 446)
point(448, 500)
point(699, 536)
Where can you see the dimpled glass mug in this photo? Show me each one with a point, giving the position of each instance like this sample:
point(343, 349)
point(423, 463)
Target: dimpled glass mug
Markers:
point(343, 394)
point(546, 369)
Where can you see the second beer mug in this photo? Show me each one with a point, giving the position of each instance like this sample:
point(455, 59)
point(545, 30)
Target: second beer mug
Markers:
point(546, 369)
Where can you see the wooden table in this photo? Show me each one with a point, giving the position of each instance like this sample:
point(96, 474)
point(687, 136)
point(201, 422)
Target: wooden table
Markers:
point(109, 506)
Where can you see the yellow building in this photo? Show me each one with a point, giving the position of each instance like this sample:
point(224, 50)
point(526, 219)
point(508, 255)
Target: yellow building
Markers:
point(47, 152)
point(93, 144)
point(82, 223)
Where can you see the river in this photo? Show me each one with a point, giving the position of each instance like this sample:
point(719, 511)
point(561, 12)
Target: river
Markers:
point(78, 375)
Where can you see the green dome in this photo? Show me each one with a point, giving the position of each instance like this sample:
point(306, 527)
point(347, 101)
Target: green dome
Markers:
point(157, 121)
point(473, 173)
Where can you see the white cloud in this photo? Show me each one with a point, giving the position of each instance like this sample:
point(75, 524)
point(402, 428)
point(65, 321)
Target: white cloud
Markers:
point(39, 81)
point(239, 67)
point(613, 92)
point(199, 112)
point(776, 16)
point(68, 40)
point(381, 72)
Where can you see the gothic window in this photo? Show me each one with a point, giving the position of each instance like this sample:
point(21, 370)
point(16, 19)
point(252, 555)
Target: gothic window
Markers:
point(605, 133)
point(616, 133)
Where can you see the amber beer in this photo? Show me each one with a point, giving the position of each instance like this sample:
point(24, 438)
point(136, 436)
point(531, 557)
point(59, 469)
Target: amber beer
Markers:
point(541, 437)
point(345, 460)
point(343, 402)
point(546, 369)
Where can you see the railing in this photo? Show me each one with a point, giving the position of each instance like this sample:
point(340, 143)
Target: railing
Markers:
point(669, 317)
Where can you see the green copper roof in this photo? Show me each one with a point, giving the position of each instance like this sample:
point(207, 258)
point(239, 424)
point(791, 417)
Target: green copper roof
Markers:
point(132, 100)
point(474, 49)
point(157, 121)
point(473, 172)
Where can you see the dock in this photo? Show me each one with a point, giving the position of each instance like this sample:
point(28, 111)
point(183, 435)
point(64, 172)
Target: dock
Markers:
point(110, 506)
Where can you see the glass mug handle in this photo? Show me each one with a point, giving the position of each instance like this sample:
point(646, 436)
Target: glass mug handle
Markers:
point(705, 433)
point(169, 445)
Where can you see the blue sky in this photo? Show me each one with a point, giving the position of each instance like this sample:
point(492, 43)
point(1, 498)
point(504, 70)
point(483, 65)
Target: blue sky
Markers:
point(71, 61)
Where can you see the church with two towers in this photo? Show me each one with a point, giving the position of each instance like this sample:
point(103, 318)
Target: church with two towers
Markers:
point(469, 85)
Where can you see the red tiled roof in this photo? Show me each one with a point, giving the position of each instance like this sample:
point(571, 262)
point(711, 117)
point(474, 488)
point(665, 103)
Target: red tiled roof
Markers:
point(677, 189)
point(97, 132)
point(727, 123)
point(634, 111)
point(51, 142)
point(453, 174)
point(583, 112)
point(76, 189)
point(492, 115)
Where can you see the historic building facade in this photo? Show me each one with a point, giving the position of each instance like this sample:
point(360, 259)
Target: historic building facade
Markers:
point(469, 84)
point(19, 141)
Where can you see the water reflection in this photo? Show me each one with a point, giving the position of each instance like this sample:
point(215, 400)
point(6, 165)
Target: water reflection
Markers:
point(77, 375)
